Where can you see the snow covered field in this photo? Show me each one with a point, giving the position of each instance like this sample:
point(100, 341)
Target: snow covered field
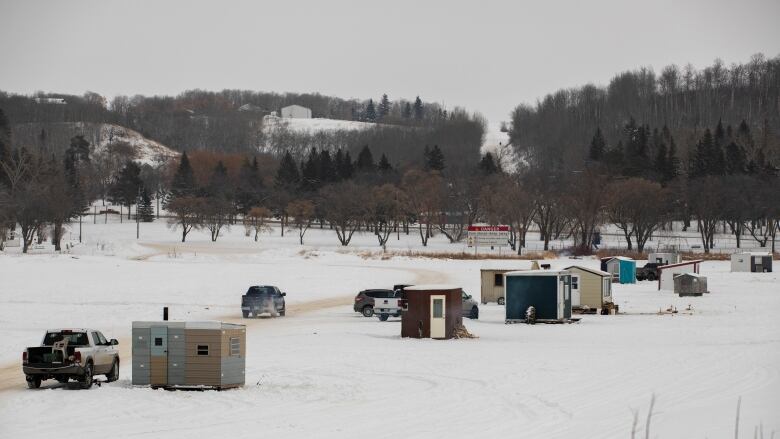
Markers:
point(324, 371)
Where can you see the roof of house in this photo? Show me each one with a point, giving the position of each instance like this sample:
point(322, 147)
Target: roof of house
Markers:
point(537, 273)
point(590, 270)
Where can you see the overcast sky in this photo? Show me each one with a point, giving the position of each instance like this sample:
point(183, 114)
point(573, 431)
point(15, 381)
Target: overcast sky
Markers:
point(487, 56)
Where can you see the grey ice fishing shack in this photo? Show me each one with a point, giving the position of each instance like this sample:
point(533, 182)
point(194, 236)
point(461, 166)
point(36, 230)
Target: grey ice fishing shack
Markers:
point(690, 284)
point(189, 354)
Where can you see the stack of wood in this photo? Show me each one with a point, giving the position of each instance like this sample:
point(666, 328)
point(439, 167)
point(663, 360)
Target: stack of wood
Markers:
point(462, 332)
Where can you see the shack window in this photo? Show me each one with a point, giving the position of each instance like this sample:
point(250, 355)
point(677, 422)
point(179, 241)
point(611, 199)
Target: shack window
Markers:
point(575, 282)
point(158, 341)
point(438, 308)
point(235, 347)
point(498, 280)
point(607, 288)
point(203, 349)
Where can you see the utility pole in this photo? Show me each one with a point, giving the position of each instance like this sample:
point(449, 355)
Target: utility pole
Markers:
point(94, 214)
point(80, 216)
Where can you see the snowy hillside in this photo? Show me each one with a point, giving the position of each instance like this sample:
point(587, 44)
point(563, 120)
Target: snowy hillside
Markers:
point(315, 125)
point(144, 150)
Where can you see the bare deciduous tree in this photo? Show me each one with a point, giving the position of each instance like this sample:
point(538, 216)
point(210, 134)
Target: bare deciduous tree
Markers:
point(303, 214)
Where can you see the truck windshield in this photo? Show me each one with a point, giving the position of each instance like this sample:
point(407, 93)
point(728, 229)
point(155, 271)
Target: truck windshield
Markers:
point(74, 338)
point(261, 291)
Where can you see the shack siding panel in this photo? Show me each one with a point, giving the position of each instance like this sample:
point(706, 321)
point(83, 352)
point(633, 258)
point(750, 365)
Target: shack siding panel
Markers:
point(233, 370)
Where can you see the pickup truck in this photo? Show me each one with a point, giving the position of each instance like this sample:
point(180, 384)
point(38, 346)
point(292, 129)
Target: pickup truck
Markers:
point(648, 272)
point(384, 307)
point(263, 299)
point(66, 354)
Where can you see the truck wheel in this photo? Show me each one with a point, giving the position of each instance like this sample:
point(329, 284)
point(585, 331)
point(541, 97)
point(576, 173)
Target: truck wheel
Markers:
point(474, 314)
point(281, 313)
point(383, 317)
point(368, 311)
point(500, 300)
point(86, 380)
point(113, 374)
point(246, 314)
point(33, 382)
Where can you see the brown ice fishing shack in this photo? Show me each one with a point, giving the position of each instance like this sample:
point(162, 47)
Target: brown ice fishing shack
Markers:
point(431, 311)
point(189, 354)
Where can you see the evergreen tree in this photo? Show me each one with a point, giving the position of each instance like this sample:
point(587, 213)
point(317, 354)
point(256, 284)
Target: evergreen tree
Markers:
point(327, 168)
point(660, 165)
point(183, 184)
point(736, 160)
point(407, 112)
point(597, 146)
point(487, 165)
point(384, 164)
point(287, 176)
point(370, 113)
point(126, 186)
point(672, 162)
point(614, 157)
point(345, 169)
point(418, 109)
point(384, 107)
point(434, 159)
point(365, 160)
point(76, 157)
point(219, 183)
point(310, 178)
point(250, 186)
point(145, 210)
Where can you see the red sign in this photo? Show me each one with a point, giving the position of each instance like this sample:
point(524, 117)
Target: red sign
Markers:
point(488, 228)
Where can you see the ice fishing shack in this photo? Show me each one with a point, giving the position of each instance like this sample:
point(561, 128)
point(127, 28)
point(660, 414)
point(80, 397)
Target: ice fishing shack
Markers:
point(189, 354)
point(590, 288)
point(537, 295)
point(623, 269)
point(752, 262)
point(690, 284)
point(492, 281)
point(431, 311)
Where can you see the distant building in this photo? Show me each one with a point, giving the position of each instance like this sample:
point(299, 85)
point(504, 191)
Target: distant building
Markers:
point(56, 101)
point(296, 112)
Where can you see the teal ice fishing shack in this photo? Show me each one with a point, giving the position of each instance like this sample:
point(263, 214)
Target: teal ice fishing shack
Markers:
point(623, 269)
point(547, 291)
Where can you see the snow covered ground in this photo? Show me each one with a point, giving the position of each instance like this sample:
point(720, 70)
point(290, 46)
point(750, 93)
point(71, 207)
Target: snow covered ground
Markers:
point(324, 371)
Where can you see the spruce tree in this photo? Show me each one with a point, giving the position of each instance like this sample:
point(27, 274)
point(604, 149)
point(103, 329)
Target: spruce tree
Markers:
point(310, 178)
point(183, 184)
point(126, 186)
point(365, 160)
point(287, 176)
point(736, 160)
point(370, 113)
point(407, 113)
point(672, 162)
point(418, 109)
point(250, 186)
point(219, 183)
point(327, 168)
point(435, 159)
point(487, 165)
point(346, 169)
point(660, 165)
point(384, 164)
point(597, 146)
point(145, 210)
point(384, 107)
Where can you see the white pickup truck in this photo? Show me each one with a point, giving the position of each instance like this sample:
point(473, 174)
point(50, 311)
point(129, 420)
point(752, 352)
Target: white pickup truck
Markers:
point(66, 354)
point(386, 307)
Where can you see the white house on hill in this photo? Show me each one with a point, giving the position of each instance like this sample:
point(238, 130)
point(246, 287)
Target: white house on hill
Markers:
point(296, 112)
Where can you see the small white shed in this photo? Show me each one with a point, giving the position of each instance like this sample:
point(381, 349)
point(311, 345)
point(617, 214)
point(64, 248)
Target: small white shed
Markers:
point(752, 262)
point(664, 258)
point(296, 112)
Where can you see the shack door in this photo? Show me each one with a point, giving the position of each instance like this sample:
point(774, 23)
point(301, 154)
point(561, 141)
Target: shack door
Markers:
point(575, 290)
point(159, 356)
point(438, 316)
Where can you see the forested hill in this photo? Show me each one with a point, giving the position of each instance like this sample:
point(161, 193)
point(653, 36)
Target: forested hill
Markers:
point(626, 122)
point(232, 121)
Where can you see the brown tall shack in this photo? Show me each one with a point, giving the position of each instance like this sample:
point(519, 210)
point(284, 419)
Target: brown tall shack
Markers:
point(432, 311)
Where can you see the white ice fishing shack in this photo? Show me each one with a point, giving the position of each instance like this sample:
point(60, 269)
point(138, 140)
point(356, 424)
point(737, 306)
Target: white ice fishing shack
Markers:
point(751, 262)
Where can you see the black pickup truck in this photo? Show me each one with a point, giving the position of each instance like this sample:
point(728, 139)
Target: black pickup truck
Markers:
point(263, 299)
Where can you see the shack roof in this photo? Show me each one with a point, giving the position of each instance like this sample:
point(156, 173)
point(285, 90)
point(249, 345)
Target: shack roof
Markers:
point(207, 324)
point(537, 273)
point(590, 270)
point(432, 287)
point(680, 264)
